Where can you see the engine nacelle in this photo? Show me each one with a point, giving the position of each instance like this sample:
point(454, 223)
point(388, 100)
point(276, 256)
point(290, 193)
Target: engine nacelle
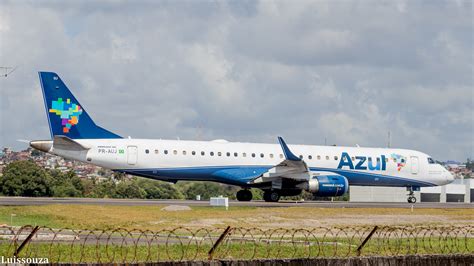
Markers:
point(327, 185)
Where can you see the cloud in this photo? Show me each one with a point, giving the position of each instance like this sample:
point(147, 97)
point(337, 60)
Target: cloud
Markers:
point(348, 72)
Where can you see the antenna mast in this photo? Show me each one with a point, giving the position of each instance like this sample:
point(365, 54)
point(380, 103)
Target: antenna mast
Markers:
point(8, 70)
point(389, 140)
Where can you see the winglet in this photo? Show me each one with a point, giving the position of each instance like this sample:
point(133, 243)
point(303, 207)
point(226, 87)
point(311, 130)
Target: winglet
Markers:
point(288, 154)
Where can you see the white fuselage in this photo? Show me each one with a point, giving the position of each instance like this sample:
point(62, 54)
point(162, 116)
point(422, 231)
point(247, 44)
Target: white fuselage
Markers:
point(238, 163)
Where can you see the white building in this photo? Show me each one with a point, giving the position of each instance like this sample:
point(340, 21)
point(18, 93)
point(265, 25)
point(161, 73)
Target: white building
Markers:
point(461, 190)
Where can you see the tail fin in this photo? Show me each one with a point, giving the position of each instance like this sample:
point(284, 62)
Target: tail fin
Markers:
point(66, 116)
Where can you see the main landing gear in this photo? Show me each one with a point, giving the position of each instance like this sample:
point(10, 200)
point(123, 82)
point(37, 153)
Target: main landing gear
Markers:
point(411, 196)
point(271, 195)
point(244, 195)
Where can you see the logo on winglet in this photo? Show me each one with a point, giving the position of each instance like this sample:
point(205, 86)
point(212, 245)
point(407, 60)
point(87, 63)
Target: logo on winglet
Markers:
point(69, 113)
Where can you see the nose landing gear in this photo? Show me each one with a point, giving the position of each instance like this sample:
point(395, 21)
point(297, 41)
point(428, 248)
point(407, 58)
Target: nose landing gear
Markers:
point(411, 195)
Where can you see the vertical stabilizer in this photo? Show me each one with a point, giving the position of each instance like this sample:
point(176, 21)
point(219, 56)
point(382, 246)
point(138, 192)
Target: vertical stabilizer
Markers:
point(66, 116)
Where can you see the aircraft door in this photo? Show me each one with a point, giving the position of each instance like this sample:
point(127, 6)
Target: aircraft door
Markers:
point(132, 154)
point(414, 165)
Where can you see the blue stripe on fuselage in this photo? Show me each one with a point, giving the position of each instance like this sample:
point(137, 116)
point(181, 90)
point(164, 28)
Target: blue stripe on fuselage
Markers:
point(241, 175)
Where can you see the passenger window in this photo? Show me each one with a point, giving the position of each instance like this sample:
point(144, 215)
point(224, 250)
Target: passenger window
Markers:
point(319, 157)
point(166, 151)
point(301, 156)
point(244, 154)
point(219, 153)
point(327, 157)
point(378, 159)
point(193, 153)
point(261, 155)
point(335, 158)
point(228, 154)
point(353, 158)
point(310, 157)
point(203, 153)
point(156, 151)
point(253, 155)
point(235, 154)
point(184, 152)
point(211, 153)
point(281, 156)
point(175, 152)
point(370, 159)
point(271, 155)
point(147, 151)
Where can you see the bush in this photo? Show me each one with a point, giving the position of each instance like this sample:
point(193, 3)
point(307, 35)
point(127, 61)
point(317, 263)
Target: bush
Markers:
point(207, 190)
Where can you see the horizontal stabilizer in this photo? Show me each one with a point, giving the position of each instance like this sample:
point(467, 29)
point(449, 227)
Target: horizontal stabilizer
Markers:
point(65, 143)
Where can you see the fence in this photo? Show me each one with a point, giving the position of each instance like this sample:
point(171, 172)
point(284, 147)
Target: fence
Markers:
point(184, 244)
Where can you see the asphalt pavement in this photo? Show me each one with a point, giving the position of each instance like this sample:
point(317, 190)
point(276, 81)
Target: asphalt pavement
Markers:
point(23, 201)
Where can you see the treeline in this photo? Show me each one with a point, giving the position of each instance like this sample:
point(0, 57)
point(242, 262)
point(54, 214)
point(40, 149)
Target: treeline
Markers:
point(470, 164)
point(25, 178)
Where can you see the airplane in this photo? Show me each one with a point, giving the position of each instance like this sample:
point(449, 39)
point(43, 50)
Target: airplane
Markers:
point(277, 169)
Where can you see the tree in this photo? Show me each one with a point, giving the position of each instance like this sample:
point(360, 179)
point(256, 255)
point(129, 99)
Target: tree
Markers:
point(130, 190)
point(470, 164)
point(118, 176)
point(35, 153)
point(25, 178)
point(66, 190)
point(66, 184)
point(103, 189)
point(159, 189)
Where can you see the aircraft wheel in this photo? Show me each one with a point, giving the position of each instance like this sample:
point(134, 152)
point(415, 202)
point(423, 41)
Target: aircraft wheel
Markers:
point(271, 196)
point(412, 200)
point(244, 195)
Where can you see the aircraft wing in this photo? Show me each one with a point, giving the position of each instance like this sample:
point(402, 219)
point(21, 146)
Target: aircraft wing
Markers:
point(292, 167)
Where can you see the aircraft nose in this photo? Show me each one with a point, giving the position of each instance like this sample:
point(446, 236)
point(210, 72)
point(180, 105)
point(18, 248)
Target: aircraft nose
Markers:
point(449, 177)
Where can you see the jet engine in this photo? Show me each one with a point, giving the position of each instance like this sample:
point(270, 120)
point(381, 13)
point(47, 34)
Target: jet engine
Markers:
point(326, 184)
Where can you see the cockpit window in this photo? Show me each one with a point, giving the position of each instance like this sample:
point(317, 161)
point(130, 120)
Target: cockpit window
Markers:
point(431, 161)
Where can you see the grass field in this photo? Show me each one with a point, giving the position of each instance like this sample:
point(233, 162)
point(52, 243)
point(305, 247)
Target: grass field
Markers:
point(154, 218)
point(283, 244)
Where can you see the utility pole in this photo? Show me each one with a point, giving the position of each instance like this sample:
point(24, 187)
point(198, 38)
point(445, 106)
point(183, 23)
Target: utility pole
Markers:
point(388, 142)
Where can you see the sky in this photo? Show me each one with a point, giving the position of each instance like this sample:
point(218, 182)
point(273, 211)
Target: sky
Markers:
point(314, 72)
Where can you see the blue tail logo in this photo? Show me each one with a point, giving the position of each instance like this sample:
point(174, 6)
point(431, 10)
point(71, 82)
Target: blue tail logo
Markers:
point(64, 110)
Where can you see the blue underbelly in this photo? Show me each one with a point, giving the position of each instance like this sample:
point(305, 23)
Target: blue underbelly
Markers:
point(237, 175)
point(241, 175)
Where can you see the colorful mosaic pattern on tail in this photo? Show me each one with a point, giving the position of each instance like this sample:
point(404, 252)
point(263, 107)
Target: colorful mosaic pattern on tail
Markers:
point(69, 113)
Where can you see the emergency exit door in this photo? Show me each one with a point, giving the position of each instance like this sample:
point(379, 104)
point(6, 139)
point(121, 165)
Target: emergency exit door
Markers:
point(132, 154)
point(414, 165)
